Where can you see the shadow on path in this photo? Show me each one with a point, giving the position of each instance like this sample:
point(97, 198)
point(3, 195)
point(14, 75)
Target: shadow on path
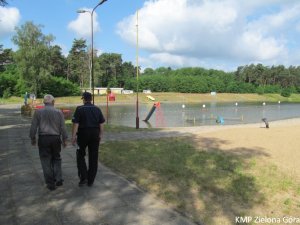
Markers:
point(25, 200)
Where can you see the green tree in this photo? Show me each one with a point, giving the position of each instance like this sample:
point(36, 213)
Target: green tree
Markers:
point(248, 74)
point(32, 57)
point(110, 69)
point(8, 80)
point(58, 63)
point(78, 63)
point(6, 57)
point(128, 71)
point(284, 77)
point(163, 70)
point(60, 87)
point(148, 71)
point(260, 73)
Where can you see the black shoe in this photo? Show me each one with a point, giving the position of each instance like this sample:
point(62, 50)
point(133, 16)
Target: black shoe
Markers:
point(82, 183)
point(90, 184)
point(59, 183)
point(51, 187)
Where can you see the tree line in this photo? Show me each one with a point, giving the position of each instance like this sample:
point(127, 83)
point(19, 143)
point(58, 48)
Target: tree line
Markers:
point(39, 67)
point(246, 79)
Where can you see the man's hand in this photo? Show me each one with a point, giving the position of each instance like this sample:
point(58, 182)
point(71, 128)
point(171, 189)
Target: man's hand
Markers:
point(33, 142)
point(74, 140)
point(64, 144)
point(100, 137)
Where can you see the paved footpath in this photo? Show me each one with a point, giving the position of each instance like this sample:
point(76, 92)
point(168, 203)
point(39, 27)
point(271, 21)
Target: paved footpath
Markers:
point(24, 200)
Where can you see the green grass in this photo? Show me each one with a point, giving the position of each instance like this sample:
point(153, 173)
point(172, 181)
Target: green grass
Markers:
point(113, 128)
point(12, 100)
point(187, 97)
point(168, 97)
point(117, 129)
point(212, 186)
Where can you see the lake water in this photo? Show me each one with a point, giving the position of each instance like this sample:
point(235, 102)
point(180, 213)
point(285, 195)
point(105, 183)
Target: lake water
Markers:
point(177, 115)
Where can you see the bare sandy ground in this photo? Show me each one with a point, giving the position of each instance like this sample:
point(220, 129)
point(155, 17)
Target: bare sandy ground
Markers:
point(280, 143)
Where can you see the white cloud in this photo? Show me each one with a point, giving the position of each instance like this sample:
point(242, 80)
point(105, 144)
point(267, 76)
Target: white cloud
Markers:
point(284, 19)
point(82, 25)
point(187, 32)
point(174, 60)
point(9, 19)
point(253, 46)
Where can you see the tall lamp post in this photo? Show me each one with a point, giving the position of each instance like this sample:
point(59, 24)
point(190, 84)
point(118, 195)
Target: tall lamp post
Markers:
point(137, 119)
point(92, 45)
point(91, 62)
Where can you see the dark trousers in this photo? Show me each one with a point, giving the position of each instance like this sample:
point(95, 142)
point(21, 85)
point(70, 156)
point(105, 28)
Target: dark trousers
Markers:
point(49, 151)
point(88, 138)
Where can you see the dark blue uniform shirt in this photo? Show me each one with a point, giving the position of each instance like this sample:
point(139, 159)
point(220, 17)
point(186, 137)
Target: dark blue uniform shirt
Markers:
point(88, 116)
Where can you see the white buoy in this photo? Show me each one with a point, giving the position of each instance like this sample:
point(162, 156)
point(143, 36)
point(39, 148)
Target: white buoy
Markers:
point(203, 105)
point(264, 103)
point(183, 106)
point(236, 104)
point(278, 102)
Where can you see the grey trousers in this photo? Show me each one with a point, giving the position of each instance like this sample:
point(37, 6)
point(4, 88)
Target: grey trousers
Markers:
point(49, 151)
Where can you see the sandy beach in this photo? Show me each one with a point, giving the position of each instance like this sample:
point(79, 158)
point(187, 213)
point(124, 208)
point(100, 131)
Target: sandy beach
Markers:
point(275, 152)
point(280, 143)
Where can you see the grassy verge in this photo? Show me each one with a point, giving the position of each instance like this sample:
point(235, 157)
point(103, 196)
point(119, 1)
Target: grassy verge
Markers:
point(12, 100)
point(170, 97)
point(210, 186)
point(186, 98)
point(113, 128)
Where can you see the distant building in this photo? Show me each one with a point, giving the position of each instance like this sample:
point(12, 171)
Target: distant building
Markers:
point(147, 91)
point(117, 90)
point(103, 90)
point(126, 92)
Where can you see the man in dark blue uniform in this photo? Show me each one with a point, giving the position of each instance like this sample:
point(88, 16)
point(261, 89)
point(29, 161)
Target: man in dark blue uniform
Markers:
point(87, 131)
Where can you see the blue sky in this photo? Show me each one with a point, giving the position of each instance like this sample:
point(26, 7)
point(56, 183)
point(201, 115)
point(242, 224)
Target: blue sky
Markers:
point(218, 34)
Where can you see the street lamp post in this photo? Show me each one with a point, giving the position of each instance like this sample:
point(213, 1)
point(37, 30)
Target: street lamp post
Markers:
point(92, 45)
point(85, 11)
point(137, 119)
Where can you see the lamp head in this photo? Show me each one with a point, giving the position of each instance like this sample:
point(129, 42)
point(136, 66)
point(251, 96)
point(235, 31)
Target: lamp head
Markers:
point(81, 11)
point(100, 3)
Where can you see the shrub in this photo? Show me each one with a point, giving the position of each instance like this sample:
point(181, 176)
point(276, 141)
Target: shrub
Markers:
point(286, 92)
point(260, 90)
point(7, 93)
point(58, 86)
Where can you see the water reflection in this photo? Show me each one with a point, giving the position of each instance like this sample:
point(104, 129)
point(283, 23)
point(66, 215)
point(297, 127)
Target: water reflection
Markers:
point(175, 115)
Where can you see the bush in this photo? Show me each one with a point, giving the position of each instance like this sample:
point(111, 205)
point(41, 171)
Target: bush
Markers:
point(58, 86)
point(7, 93)
point(260, 90)
point(272, 89)
point(268, 89)
point(286, 92)
point(7, 85)
point(239, 87)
